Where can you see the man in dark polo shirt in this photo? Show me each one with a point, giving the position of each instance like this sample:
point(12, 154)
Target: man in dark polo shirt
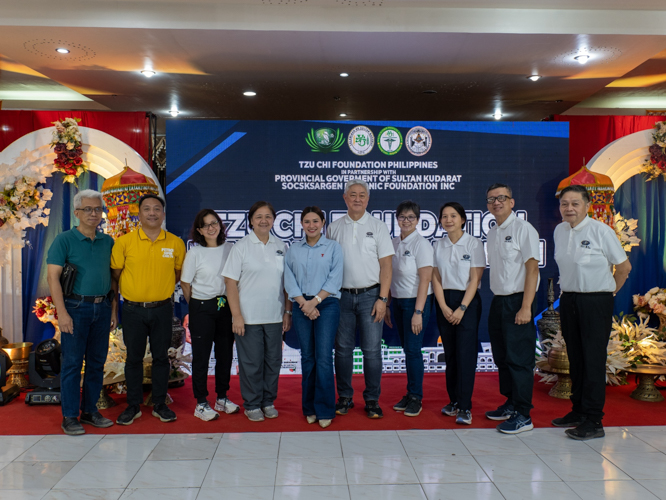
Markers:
point(147, 263)
point(87, 315)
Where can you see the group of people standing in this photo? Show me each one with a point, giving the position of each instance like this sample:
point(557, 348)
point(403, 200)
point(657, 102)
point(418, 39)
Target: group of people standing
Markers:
point(328, 287)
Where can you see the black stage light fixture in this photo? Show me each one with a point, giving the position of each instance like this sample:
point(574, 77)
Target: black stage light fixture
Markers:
point(44, 370)
point(7, 391)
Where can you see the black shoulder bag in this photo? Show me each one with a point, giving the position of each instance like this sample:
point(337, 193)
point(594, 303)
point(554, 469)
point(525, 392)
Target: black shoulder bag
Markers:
point(67, 278)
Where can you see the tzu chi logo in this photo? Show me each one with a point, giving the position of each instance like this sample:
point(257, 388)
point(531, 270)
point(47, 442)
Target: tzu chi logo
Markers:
point(466, 257)
point(585, 244)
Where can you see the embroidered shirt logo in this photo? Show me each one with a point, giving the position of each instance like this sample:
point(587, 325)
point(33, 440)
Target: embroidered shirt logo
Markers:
point(280, 253)
point(167, 253)
point(407, 253)
point(507, 239)
point(369, 234)
point(466, 257)
point(585, 244)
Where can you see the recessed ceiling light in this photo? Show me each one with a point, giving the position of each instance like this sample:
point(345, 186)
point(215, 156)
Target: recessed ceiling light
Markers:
point(497, 115)
point(174, 112)
point(148, 73)
point(62, 50)
point(343, 114)
point(534, 78)
point(429, 92)
point(344, 75)
point(582, 58)
point(249, 93)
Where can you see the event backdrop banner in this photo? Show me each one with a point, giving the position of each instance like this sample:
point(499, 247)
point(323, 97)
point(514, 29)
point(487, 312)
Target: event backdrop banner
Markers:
point(228, 165)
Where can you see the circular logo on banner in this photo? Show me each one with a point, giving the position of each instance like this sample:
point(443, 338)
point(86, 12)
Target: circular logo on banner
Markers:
point(361, 140)
point(418, 141)
point(389, 140)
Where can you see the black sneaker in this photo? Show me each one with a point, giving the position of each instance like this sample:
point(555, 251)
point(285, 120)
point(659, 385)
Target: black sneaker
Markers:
point(343, 406)
point(414, 407)
point(503, 412)
point(402, 404)
point(130, 414)
point(96, 420)
point(571, 419)
point(72, 427)
point(587, 430)
point(450, 410)
point(373, 410)
point(164, 413)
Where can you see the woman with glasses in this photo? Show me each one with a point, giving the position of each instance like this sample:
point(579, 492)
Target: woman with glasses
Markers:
point(411, 300)
point(254, 277)
point(459, 264)
point(210, 317)
point(312, 279)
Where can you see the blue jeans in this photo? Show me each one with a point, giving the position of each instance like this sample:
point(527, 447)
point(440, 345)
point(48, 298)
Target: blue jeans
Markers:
point(317, 339)
point(355, 311)
point(90, 340)
point(403, 310)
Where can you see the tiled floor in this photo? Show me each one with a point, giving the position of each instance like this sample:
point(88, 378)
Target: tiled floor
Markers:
point(458, 464)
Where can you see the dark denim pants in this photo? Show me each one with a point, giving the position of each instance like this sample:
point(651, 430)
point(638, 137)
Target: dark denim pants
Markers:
point(317, 339)
point(355, 312)
point(403, 310)
point(210, 324)
point(90, 340)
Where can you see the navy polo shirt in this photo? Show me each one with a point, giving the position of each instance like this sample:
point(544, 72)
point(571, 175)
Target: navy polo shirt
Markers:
point(92, 259)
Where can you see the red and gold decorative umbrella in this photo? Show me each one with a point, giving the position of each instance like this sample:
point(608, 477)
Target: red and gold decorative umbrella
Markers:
point(601, 191)
point(121, 194)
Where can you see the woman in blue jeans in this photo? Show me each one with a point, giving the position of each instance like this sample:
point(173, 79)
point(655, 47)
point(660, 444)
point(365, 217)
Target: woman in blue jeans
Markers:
point(312, 279)
point(411, 300)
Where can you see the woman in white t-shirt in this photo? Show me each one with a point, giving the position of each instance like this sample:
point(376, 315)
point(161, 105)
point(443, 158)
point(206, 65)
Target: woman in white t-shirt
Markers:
point(210, 317)
point(254, 275)
point(459, 264)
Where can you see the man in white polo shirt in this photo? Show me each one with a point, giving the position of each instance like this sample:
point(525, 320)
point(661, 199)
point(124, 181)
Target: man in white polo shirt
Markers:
point(586, 251)
point(513, 255)
point(367, 249)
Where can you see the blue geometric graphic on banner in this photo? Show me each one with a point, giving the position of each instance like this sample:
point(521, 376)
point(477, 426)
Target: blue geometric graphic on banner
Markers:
point(214, 153)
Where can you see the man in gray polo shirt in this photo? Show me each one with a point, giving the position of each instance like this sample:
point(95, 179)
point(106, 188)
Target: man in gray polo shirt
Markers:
point(87, 315)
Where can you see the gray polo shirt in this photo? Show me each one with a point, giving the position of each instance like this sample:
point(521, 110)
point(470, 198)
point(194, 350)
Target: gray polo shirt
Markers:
point(92, 259)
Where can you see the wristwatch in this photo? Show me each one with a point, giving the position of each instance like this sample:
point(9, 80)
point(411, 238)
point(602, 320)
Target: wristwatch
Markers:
point(463, 307)
point(418, 311)
point(288, 312)
point(383, 299)
point(318, 299)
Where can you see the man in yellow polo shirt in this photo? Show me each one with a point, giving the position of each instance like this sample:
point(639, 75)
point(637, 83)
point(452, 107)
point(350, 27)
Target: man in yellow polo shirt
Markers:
point(147, 263)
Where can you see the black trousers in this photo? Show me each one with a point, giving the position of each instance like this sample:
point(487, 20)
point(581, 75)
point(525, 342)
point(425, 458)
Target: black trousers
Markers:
point(513, 350)
point(139, 324)
point(460, 344)
point(586, 320)
point(210, 324)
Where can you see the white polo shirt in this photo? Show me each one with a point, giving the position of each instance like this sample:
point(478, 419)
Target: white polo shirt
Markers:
point(259, 270)
point(411, 254)
point(585, 256)
point(363, 243)
point(454, 261)
point(202, 269)
point(510, 246)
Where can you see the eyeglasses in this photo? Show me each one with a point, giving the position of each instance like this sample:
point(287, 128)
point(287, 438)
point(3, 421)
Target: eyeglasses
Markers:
point(501, 198)
point(89, 210)
point(410, 218)
point(213, 225)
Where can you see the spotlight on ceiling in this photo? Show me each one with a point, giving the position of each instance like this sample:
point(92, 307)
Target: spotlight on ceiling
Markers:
point(343, 114)
point(497, 115)
point(249, 93)
point(62, 50)
point(174, 112)
point(582, 58)
point(534, 78)
point(148, 73)
point(344, 75)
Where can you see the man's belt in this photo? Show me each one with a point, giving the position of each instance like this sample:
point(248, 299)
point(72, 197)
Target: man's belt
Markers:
point(359, 291)
point(95, 299)
point(148, 305)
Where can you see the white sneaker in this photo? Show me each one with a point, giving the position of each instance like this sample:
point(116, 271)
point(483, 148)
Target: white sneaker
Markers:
point(227, 406)
point(270, 411)
point(205, 412)
point(311, 419)
point(255, 415)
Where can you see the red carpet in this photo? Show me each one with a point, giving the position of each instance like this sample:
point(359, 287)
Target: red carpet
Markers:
point(18, 418)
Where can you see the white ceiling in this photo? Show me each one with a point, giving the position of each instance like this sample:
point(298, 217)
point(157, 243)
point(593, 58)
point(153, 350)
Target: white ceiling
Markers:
point(474, 54)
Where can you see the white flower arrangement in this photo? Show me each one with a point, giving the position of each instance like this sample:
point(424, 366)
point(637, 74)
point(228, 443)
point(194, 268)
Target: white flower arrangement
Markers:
point(22, 200)
point(626, 232)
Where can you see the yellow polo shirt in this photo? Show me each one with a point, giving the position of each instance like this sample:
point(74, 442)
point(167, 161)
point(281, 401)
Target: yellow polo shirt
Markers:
point(148, 267)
